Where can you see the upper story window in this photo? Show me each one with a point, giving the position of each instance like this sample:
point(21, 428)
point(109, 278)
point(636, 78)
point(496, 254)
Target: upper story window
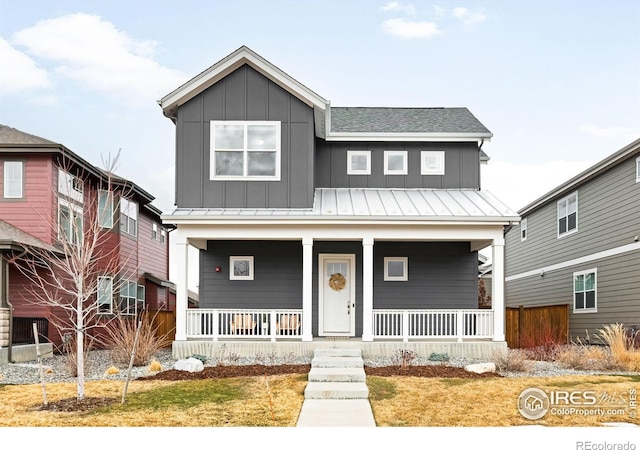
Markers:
point(243, 150)
point(70, 224)
point(163, 235)
point(568, 214)
point(154, 231)
point(395, 163)
point(129, 217)
point(105, 209)
point(584, 291)
point(638, 169)
point(13, 179)
point(105, 295)
point(523, 230)
point(358, 162)
point(70, 186)
point(432, 163)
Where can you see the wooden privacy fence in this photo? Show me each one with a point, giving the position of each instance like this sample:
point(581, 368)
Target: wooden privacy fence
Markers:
point(541, 325)
point(165, 324)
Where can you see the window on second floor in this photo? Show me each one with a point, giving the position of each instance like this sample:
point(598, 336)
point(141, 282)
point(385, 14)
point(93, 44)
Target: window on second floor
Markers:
point(395, 163)
point(358, 162)
point(105, 209)
point(70, 186)
point(432, 163)
point(523, 230)
point(154, 231)
point(13, 179)
point(568, 214)
point(70, 223)
point(638, 169)
point(243, 150)
point(163, 235)
point(128, 217)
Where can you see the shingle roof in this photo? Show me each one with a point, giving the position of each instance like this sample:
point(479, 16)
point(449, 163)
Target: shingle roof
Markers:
point(12, 136)
point(10, 236)
point(404, 120)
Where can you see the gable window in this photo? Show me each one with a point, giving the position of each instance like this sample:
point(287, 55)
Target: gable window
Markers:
point(241, 267)
point(13, 179)
point(584, 291)
point(432, 163)
point(131, 298)
point(358, 162)
point(523, 230)
point(245, 150)
point(395, 163)
point(568, 214)
point(70, 227)
point(396, 268)
point(128, 217)
point(105, 295)
point(105, 209)
point(638, 169)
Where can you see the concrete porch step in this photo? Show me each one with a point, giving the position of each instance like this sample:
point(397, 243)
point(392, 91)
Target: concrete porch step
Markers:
point(337, 361)
point(337, 374)
point(336, 390)
point(337, 352)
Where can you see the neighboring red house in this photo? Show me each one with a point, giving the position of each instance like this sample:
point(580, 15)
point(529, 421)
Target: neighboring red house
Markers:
point(44, 183)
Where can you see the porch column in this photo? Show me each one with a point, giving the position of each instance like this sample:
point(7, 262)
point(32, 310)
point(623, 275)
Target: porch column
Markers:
point(307, 288)
point(497, 289)
point(367, 289)
point(182, 289)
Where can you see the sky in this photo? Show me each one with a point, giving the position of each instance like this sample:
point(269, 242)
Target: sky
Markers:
point(556, 82)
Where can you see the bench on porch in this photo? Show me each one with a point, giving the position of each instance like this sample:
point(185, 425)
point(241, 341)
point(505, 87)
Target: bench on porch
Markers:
point(243, 324)
point(288, 324)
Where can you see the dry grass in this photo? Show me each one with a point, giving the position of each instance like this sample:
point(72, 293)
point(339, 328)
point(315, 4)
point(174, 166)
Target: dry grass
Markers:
point(511, 360)
point(621, 344)
point(121, 337)
point(585, 357)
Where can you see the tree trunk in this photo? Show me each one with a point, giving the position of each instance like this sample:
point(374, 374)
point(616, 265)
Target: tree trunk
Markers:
point(80, 345)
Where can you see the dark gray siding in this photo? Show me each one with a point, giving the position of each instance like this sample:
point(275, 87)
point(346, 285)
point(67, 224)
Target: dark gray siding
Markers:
point(441, 275)
point(618, 293)
point(245, 94)
point(462, 165)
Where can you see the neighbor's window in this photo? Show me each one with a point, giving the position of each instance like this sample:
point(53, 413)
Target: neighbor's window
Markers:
point(154, 231)
point(396, 269)
point(432, 163)
point(70, 186)
point(245, 150)
point(13, 179)
point(241, 267)
point(70, 227)
point(638, 169)
point(584, 291)
point(105, 295)
point(395, 163)
point(163, 235)
point(523, 230)
point(128, 216)
point(358, 162)
point(105, 209)
point(131, 298)
point(568, 214)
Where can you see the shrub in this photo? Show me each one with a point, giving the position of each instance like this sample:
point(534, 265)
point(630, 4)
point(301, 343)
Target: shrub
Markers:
point(622, 344)
point(199, 357)
point(581, 356)
point(155, 366)
point(542, 343)
point(511, 360)
point(442, 357)
point(404, 357)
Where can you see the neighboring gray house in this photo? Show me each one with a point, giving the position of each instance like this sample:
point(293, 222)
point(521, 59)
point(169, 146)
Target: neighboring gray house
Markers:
point(328, 222)
point(579, 245)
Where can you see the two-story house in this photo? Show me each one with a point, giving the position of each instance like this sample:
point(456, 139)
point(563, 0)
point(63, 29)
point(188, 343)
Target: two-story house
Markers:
point(318, 223)
point(579, 245)
point(47, 195)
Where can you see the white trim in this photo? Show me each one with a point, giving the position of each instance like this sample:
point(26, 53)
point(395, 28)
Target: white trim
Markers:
point(405, 271)
point(9, 183)
point(408, 137)
point(574, 262)
point(638, 169)
point(352, 291)
point(401, 171)
point(351, 154)
point(440, 162)
point(585, 310)
point(233, 259)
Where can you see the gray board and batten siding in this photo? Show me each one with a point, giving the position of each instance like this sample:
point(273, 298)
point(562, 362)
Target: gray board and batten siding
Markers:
point(442, 275)
point(244, 94)
point(608, 218)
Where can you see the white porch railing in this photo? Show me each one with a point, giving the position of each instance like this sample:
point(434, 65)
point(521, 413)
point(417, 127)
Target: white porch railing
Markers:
point(432, 323)
point(244, 323)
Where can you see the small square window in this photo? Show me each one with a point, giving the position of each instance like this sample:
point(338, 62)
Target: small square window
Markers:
point(241, 267)
point(395, 163)
point(432, 163)
point(396, 269)
point(359, 162)
point(523, 230)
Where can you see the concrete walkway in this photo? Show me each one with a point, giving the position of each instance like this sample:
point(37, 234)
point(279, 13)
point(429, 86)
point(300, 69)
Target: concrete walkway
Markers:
point(336, 394)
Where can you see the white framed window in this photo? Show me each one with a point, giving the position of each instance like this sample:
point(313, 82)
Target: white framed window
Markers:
point(105, 295)
point(154, 231)
point(70, 223)
point(638, 169)
point(70, 186)
point(523, 230)
point(131, 298)
point(568, 215)
point(105, 209)
point(395, 162)
point(585, 298)
point(241, 267)
point(358, 162)
point(163, 235)
point(128, 217)
point(13, 174)
point(242, 150)
point(396, 268)
point(432, 163)
point(140, 299)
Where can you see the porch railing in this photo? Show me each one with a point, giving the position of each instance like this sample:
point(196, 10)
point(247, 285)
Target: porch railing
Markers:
point(432, 323)
point(244, 323)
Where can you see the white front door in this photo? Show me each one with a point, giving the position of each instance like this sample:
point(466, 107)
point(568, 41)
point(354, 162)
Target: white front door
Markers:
point(336, 294)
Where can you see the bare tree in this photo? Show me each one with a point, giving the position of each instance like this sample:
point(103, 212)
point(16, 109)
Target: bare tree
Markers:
point(71, 279)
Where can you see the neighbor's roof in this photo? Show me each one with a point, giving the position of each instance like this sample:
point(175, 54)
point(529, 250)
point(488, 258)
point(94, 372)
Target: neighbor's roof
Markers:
point(13, 238)
point(458, 205)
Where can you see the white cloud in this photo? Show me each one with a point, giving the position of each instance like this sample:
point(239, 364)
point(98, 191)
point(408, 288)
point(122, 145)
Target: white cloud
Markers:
point(397, 6)
point(615, 132)
point(94, 53)
point(19, 72)
point(468, 17)
point(410, 30)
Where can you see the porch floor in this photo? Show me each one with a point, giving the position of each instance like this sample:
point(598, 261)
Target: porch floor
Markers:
point(480, 349)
